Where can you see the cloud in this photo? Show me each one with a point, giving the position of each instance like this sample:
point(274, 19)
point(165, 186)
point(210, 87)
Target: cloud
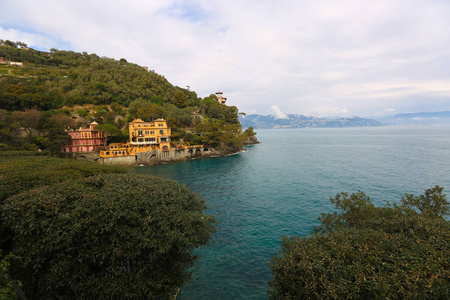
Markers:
point(278, 113)
point(313, 55)
point(389, 110)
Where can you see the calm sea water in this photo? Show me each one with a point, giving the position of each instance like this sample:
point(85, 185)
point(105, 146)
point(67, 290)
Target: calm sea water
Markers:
point(281, 186)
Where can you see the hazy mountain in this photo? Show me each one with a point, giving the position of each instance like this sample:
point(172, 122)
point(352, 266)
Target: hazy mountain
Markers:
point(300, 121)
point(441, 117)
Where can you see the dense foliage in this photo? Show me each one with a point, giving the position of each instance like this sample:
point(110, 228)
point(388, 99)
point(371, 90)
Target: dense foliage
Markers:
point(7, 291)
point(57, 78)
point(60, 89)
point(21, 171)
point(25, 170)
point(111, 236)
point(367, 252)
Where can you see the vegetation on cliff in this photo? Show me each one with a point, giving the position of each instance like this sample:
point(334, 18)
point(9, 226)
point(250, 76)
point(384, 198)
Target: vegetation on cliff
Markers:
point(400, 251)
point(60, 89)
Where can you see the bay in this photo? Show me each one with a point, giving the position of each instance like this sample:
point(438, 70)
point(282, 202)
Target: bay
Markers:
point(281, 186)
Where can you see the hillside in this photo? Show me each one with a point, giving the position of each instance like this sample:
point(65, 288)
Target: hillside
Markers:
point(43, 93)
point(50, 80)
point(300, 121)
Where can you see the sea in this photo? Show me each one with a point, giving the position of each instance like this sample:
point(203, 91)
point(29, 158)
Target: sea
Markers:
point(281, 186)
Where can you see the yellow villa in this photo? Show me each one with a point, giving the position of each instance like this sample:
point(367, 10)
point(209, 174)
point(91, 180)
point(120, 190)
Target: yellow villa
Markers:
point(144, 136)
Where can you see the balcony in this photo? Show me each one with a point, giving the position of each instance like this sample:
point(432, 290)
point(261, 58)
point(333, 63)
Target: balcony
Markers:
point(144, 143)
point(86, 137)
point(85, 144)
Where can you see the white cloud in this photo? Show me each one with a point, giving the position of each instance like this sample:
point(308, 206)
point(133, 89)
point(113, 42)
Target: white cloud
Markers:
point(389, 110)
point(276, 111)
point(310, 55)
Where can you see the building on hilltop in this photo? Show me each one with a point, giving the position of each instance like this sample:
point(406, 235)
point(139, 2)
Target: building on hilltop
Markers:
point(220, 98)
point(85, 140)
point(15, 63)
point(143, 137)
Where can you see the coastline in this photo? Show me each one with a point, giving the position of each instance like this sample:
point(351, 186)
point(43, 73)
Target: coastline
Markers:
point(156, 157)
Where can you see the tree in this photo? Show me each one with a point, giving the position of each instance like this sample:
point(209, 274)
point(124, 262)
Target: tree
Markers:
point(150, 112)
point(28, 120)
point(135, 105)
point(249, 136)
point(52, 128)
point(7, 291)
point(368, 252)
point(211, 132)
point(112, 236)
point(109, 129)
point(8, 129)
point(433, 203)
point(178, 117)
point(179, 99)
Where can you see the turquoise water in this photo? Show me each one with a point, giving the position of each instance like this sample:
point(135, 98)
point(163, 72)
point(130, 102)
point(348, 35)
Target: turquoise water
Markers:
point(281, 186)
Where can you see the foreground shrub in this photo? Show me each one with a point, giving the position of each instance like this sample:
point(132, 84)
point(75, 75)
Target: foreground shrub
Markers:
point(106, 237)
point(7, 291)
point(24, 170)
point(368, 252)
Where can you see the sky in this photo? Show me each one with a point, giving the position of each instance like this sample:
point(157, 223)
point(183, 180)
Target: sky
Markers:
point(323, 58)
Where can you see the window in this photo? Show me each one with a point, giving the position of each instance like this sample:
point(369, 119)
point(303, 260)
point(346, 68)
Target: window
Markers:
point(160, 125)
point(139, 132)
point(146, 133)
point(152, 132)
point(161, 132)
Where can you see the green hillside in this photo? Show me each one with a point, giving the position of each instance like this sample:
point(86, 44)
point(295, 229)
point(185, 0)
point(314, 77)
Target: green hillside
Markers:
point(42, 93)
point(49, 80)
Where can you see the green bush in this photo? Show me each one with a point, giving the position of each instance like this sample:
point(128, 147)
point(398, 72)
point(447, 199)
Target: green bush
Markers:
point(22, 153)
point(82, 112)
point(23, 170)
point(7, 291)
point(112, 236)
point(367, 252)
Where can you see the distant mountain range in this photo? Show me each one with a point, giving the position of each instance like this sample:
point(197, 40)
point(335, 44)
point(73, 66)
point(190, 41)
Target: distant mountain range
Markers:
point(440, 117)
point(300, 121)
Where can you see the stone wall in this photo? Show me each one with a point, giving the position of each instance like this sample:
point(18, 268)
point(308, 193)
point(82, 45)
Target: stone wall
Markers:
point(157, 157)
point(124, 160)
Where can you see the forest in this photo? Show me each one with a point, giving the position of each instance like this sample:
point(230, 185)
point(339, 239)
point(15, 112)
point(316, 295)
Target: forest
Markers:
point(56, 90)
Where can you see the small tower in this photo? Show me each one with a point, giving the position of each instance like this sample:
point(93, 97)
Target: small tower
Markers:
point(221, 99)
point(93, 125)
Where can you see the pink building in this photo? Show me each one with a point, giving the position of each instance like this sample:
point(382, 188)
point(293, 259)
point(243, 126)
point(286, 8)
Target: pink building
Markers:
point(85, 140)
